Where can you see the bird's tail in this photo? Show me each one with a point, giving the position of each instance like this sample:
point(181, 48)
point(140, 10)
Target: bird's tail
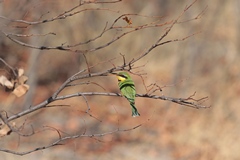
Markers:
point(134, 110)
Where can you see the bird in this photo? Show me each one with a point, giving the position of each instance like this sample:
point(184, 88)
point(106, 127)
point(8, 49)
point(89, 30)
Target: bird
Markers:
point(127, 88)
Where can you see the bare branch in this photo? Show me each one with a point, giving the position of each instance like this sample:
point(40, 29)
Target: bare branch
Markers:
point(153, 91)
point(62, 139)
point(65, 14)
point(68, 47)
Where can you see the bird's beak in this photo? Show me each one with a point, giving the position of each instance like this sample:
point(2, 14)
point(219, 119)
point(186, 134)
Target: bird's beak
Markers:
point(114, 74)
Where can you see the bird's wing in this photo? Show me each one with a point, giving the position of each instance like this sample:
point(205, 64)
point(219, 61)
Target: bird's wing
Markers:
point(129, 92)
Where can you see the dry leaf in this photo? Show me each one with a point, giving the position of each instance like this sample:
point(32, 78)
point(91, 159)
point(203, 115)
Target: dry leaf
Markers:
point(5, 82)
point(128, 20)
point(17, 84)
point(21, 90)
point(4, 130)
point(22, 79)
point(20, 72)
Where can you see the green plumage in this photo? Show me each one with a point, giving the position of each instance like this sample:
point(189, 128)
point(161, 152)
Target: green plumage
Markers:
point(128, 90)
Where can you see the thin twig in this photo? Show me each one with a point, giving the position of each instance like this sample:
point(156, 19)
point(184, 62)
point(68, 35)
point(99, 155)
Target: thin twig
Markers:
point(62, 139)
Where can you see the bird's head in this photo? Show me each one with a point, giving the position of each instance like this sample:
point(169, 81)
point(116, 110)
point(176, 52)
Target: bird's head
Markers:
point(122, 76)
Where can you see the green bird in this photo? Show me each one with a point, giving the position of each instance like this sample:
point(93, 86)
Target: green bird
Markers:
point(127, 87)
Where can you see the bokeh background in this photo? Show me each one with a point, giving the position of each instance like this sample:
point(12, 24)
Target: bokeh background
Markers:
point(207, 63)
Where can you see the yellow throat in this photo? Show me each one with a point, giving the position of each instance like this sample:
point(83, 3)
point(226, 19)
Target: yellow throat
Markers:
point(121, 78)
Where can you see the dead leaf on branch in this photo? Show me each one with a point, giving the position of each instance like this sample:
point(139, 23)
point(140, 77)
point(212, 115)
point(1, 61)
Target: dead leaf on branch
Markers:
point(20, 72)
point(128, 20)
point(23, 79)
point(20, 87)
point(15, 83)
point(4, 129)
point(6, 83)
point(21, 90)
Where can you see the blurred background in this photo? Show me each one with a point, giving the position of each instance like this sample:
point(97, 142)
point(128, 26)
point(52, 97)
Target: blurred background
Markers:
point(206, 63)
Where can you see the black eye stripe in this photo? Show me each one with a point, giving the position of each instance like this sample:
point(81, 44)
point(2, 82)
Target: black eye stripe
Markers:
point(123, 76)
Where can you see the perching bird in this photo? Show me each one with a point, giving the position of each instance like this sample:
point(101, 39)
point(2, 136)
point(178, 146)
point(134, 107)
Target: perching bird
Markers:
point(127, 87)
